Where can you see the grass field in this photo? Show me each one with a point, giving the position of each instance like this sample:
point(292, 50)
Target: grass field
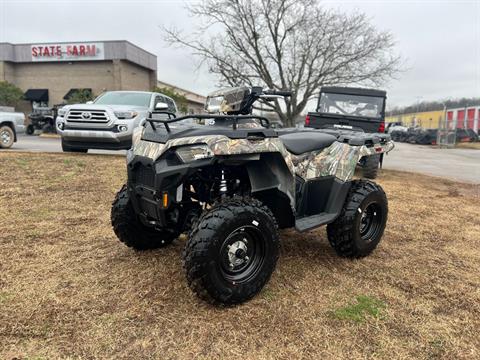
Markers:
point(469, 145)
point(69, 289)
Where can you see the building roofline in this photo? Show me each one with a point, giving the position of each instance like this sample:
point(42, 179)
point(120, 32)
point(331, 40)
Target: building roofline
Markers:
point(78, 42)
point(179, 88)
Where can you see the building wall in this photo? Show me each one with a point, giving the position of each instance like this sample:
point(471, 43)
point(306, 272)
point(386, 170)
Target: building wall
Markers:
point(134, 77)
point(427, 119)
point(6, 71)
point(60, 77)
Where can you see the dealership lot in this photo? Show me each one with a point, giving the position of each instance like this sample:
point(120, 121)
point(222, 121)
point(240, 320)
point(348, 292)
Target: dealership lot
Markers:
point(456, 164)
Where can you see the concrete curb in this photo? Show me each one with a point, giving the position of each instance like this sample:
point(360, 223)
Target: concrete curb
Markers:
point(51, 136)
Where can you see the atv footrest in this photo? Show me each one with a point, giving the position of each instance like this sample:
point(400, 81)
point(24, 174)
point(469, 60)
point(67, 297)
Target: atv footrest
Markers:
point(314, 221)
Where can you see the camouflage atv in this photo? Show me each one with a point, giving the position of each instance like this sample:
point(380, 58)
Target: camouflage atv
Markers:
point(232, 182)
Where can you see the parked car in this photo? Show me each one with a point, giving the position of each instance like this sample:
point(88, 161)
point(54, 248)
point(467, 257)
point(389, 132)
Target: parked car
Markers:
point(11, 124)
point(108, 121)
point(353, 109)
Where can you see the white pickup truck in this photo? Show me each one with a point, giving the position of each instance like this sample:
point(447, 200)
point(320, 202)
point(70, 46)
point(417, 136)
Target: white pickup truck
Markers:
point(108, 121)
point(11, 124)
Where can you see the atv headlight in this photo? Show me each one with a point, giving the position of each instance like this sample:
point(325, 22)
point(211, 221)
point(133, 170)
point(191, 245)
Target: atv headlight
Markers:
point(125, 114)
point(196, 152)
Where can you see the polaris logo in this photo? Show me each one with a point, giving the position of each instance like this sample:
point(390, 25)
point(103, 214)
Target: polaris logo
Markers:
point(343, 126)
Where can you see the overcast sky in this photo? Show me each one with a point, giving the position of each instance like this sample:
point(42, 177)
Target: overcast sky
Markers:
point(440, 40)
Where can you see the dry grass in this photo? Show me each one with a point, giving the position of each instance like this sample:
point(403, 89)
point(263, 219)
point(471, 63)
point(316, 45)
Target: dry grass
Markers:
point(69, 289)
point(469, 145)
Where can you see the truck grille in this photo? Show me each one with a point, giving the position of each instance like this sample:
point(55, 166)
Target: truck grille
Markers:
point(87, 116)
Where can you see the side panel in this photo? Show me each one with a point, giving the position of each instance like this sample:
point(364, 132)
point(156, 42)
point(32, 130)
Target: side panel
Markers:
point(271, 172)
point(338, 160)
point(322, 202)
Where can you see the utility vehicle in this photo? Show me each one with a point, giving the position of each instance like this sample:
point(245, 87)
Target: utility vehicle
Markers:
point(355, 109)
point(42, 118)
point(232, 183)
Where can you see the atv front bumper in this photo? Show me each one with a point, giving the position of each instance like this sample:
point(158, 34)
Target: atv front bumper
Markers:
point(155, 188)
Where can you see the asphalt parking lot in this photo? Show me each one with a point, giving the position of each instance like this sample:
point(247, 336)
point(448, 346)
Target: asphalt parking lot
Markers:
point(456, 164)
point(48, 144)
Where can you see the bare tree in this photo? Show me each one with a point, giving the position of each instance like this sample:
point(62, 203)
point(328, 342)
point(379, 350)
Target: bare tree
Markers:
point(288, 45)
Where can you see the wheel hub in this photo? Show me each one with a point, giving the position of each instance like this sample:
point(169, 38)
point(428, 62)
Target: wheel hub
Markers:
point(370, 222)
point(237, 253)
point(5, 136)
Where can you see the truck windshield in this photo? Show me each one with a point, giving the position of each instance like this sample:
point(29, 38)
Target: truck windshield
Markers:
point(124, 98)
point(352, 105)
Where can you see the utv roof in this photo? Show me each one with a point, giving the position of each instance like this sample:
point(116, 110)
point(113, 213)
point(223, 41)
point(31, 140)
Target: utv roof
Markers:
point(353, 91)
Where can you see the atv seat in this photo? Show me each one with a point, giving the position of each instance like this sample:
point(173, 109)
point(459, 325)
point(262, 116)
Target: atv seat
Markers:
point(302, 142)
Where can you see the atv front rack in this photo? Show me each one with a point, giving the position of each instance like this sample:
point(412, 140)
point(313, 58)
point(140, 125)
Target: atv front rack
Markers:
point(172, 119)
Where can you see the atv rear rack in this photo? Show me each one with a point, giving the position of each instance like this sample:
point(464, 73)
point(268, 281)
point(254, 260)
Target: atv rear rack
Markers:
point(172, 118)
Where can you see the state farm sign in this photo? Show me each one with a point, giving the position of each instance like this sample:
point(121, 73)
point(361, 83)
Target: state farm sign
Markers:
point(67, 52)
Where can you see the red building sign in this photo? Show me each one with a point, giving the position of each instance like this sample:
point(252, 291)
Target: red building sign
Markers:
point(67, 52)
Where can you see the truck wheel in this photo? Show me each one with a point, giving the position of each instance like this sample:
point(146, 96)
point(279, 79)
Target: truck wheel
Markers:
point(68, 148)
point(7, 137)
point(370, 166)
point(359, 228)
point(232, 251)
point(131, 231)
point(30, 129)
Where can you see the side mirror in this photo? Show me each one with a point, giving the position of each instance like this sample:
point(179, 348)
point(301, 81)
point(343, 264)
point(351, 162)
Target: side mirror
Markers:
point(161, 106)
point(89, 102)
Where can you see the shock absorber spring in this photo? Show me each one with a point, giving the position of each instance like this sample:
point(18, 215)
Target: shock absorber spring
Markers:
point(223, 184)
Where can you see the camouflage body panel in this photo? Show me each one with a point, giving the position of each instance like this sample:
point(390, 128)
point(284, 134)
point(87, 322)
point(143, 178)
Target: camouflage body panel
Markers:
point(223, 145)
point(339, 160)
point(219, 144)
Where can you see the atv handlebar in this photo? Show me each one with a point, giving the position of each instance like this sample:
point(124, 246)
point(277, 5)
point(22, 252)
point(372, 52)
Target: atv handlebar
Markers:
point(278, 93)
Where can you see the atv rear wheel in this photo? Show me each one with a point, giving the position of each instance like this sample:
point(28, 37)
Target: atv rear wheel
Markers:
point(130, 230)
point(370, 166)
point(232, 251)
point(359, 228)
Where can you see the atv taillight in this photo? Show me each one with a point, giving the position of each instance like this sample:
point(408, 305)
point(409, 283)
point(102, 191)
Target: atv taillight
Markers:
point(381, 127)
point(307, 120)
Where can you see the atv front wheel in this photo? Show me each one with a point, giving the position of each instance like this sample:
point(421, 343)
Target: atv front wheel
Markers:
point(370, 166)
point(232, 251)
point(130, 230)
point(359, 228)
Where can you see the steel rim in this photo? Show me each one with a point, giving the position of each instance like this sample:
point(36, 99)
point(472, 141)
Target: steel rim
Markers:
point(371, 222)
point(242, 254)
point(5, 137)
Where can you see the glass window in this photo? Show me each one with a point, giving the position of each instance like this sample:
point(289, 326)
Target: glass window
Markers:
point(124, 98)
point(171, 105)
point(352, 105)
point(158, 99)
